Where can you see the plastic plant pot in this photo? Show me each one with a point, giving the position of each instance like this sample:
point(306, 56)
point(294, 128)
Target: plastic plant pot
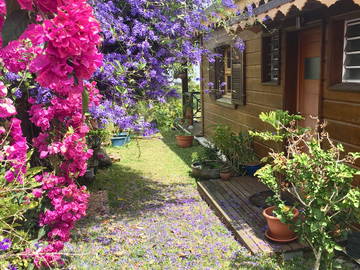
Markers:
point(120, 140)
point(251, 169)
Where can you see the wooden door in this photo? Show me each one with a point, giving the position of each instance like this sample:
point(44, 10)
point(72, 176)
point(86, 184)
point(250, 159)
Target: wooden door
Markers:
point(308, 95)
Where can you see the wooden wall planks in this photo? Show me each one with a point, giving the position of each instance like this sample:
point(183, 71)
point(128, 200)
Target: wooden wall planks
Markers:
point(259, 97)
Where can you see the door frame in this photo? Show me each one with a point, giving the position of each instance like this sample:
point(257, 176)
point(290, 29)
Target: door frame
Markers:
point(291, 70)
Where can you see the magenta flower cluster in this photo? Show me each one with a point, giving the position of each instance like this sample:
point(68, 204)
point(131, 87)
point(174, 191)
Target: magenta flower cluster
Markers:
point(61, 51)
point(12, 142)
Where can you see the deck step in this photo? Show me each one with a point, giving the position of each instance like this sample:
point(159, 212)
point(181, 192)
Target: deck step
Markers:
point(230, 200)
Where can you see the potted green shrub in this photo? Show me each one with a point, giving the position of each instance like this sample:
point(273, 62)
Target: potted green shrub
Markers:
point(318, 173)
point(237, 148)
point(205, 164)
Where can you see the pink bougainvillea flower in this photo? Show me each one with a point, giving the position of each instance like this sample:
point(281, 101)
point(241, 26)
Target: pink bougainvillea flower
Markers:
point(26, 4)
point(9, 176)
point(19, 54)
point(2, 16)
point(16, 152)
point(7, 108)
point(63, 53)
point(3, 90)
point(37, 192)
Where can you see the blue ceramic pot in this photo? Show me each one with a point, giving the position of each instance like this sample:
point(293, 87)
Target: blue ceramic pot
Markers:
point(251, 169)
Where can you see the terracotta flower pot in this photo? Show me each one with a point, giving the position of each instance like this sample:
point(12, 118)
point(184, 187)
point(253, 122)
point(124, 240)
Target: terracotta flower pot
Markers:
point(184, 141)
point(278, 231)
point(225, 175)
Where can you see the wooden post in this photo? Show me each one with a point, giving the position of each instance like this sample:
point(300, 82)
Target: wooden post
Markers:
point(185, 89)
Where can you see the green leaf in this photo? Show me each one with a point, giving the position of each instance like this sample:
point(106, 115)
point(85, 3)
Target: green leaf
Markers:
point(16, 22)
point(41, 233)
point(85, 101)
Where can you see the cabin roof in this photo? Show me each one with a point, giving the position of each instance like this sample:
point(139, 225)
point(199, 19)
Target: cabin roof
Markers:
point(272, 9)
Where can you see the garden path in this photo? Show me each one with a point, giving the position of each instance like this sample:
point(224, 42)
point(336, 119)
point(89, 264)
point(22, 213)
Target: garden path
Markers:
point(157, 220)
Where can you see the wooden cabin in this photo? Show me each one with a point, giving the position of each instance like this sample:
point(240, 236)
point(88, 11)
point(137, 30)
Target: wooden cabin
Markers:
point(306, 59)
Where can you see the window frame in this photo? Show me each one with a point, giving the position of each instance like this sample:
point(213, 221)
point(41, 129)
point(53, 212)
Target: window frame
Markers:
point(228, 96)
point(344, 67)
point(265, 62)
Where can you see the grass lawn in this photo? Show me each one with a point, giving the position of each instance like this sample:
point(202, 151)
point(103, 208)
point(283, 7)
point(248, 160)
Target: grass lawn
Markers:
point(157, 219)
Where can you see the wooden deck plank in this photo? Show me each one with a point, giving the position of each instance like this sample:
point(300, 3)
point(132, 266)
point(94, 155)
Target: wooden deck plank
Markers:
point(261, 223)
point(230, 199)
point(252, 215)
point(256, 213)
point(240, 226)
point(240, 187)
point(255, 228)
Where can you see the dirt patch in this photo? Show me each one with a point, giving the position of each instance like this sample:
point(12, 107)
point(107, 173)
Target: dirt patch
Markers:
point(98, 203)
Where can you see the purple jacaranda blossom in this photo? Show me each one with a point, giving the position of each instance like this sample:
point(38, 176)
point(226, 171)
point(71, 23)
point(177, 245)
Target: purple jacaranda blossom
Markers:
point(5, 244)
point(250, 10)
point(18, 93)
point(141, 44)
point(12, 77)
point(229, 3)
point(266, 19)
point(239, 44)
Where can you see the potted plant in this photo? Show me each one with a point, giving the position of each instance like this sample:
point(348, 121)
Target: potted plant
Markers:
point(317, 172)
point(237, 149)
point(120, 139)
point(205, 164)
point(184, 138)
point(226, 172)
point(247, 157)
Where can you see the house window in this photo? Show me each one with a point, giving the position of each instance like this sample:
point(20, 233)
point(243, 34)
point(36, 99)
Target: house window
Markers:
point(271, 58)
point(227, 72)
point(351, 58)
point(226, 75)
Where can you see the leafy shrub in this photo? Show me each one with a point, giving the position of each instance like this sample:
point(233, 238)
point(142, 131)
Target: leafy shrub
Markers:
point(318, 174)
point(165, 114)
point(237, 148)
point(205, 154)
point(19, 211)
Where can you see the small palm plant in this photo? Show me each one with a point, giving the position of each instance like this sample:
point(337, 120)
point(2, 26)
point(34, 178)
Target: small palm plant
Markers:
point(319, 174)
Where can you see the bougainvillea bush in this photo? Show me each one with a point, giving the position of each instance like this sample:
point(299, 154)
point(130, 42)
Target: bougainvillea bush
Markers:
point(50, 50)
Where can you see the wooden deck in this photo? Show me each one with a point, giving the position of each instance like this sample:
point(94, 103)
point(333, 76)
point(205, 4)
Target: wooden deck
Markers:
point(229, 199)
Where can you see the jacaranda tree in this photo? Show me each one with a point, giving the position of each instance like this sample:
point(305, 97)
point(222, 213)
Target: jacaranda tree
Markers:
point(143, 41)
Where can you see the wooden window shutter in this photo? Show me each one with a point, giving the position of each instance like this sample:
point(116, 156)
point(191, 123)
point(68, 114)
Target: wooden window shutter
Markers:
point(238, 82)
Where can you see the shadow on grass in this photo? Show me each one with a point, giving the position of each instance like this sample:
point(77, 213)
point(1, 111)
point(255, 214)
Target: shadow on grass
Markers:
point(183, 153)
point(129, 192)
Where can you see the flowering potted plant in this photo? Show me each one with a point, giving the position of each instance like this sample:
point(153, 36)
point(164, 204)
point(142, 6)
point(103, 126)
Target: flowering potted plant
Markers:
point(279, 215)
point(318, 175)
